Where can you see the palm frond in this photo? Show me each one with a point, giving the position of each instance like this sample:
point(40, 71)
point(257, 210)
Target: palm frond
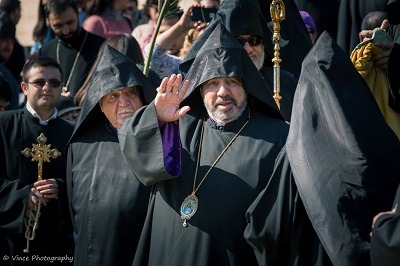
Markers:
point(165, 7)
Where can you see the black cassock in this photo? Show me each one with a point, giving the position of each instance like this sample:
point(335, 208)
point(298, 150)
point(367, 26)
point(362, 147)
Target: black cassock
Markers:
point(108, 203)
point(337, 171)
point(68, 53)
point(19, 130)
point(214, 235)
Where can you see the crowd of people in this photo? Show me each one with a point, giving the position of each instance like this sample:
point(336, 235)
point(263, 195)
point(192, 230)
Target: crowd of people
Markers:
point(194, 161)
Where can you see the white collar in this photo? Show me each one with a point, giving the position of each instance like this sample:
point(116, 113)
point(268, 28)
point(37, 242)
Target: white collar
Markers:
point(35, 114)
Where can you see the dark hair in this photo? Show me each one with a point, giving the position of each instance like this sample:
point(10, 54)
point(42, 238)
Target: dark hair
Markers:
point(39, 30)
point(146, 9)
point(9, 6)
point(373, 20)
point(98, 6)
point(5, 89)
point(39, 61)
point(60, 6)
point(125, 44)
point(7, 27)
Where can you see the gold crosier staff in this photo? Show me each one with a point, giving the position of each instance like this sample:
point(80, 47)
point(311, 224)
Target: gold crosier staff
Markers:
point(41, 153)
point(277, 9)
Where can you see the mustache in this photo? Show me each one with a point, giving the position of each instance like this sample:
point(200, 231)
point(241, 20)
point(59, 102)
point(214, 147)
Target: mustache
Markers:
point(126, 111)
point(225, 99)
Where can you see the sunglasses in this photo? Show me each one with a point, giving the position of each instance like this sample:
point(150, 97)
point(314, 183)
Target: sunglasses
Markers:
point(52, 83)
point(253, 40)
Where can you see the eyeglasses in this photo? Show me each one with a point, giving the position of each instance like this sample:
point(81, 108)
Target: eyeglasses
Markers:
point(253, 40)
point(52, 83)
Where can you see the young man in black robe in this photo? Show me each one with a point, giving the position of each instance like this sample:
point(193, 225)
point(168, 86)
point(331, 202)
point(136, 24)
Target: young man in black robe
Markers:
point(208, 160)
point(74, 48)
point(337, 170)
point(108, 204)
point(20, 189)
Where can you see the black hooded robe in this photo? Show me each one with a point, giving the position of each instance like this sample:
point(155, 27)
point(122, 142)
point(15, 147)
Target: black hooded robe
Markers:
point(108, 203)
point(19, 130)
point(214, 235)
point(337, 171)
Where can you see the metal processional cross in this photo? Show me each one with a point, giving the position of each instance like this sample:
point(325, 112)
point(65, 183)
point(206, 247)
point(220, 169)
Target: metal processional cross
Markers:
point(41, 153)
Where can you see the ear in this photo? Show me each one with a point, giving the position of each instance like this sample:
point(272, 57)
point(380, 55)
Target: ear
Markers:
point(101, 105)
point(24, 87)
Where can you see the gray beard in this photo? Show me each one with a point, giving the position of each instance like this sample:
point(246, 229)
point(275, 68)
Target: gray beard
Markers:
point(259, 62)
point(221, 119)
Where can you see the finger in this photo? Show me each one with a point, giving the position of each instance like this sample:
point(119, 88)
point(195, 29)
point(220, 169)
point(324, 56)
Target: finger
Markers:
point(44, 187)
point(163, 85)
point(49, 191)
point(181, 92)
point(51, 196)
point(385, 24)
point(183, 111)
point(44, 182)
point(381, 63)
point(365, 34)
point(381, 55)
point(385, 45)
point(170, 83)
point(35, 192)
point(177, 83)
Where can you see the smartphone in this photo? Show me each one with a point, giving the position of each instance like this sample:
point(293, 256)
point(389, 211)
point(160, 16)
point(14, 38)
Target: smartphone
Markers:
point(203, 14)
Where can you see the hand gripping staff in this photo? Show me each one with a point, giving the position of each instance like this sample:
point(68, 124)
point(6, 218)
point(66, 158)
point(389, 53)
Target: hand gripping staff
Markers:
point(41, 153)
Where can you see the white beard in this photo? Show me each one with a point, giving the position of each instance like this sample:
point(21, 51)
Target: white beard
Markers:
point(259, 61)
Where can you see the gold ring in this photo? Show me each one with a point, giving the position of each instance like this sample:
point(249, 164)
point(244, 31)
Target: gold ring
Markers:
point(160, 90)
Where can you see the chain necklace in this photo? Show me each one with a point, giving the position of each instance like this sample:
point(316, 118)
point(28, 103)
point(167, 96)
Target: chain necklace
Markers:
point(65, 88)
point(191, 203)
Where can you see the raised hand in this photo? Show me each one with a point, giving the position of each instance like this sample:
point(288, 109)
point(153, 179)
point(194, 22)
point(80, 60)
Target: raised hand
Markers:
point(169, 97)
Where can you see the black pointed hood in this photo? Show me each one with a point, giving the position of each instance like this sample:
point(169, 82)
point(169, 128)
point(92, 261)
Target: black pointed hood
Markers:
point(222, 56)
point(238, 17)
point(392, 11)
point(245, 17)
point(343, 155)
point(113, 72)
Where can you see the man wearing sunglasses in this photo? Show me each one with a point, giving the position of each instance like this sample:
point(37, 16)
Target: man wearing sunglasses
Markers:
point(244, 20)
point(20, 189)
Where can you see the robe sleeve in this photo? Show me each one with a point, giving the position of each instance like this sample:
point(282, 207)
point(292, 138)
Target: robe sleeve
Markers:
point(152, 154)
point(385, 241)
point(269, 217)
point(13, 199)
point(171, 147)
point(278, 228)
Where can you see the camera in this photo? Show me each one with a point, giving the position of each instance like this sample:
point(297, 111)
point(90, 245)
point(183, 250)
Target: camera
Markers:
point(203, 14)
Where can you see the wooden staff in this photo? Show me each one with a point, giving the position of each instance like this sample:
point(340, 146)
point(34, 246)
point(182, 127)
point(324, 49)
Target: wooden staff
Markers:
point(41, 153)
point(277, 9)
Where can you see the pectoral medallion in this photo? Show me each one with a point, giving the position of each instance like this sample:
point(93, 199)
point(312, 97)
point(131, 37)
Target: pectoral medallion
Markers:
point(188, 208)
